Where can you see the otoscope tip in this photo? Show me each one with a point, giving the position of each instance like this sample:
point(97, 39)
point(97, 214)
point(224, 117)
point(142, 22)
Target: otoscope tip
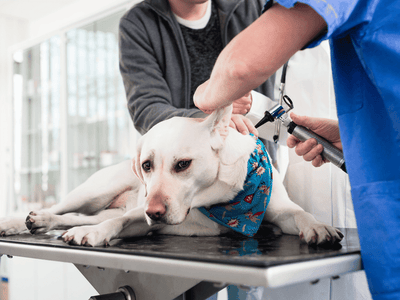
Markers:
point(267, 118)
point(261, 122)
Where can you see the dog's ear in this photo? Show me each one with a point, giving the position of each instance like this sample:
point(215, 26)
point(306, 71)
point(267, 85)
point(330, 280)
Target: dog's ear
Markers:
point(137, 170)
point(230, 147)
point(218, 124)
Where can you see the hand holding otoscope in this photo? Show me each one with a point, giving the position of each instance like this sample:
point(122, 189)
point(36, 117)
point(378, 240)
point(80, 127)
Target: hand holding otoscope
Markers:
point(310, 150)
point(280, 112)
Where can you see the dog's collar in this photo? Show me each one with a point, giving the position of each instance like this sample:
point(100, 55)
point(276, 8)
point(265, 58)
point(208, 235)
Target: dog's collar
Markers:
point(245, 212)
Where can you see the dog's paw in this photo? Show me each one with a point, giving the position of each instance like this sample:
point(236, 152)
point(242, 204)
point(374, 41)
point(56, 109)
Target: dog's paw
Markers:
point(90, 236)
point(319, 234)
point(40, 221)
point(11, 226)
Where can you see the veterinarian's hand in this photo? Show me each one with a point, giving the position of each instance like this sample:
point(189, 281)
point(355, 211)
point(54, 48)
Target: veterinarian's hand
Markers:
point(242, 105)
point(201, 102)
point(242, 124)
point(310, 150)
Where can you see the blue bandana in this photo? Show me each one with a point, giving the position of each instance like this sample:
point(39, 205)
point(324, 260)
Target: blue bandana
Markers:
point(245, 212)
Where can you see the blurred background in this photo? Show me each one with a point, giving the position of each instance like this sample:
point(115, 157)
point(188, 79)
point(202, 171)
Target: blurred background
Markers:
point(63, 116)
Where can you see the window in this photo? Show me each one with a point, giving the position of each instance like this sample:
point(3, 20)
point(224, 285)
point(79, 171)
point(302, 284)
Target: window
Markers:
point(98, 132)
point(98, 119)
point(37, 127)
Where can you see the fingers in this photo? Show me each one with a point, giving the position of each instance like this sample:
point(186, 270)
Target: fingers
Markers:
point(304, 121)
point(232, 124)
point(242, 105)
point(310, 150)
point(200, 99)
point(313, 154)
point(292, 141)
point(240, 108)
point(243, 125)
point(250, 126)
point(327, 128)
point(208, 112)
point(318, 161)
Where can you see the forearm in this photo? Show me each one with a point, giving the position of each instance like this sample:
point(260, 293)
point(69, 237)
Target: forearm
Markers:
point(133, 223)
point(151, 98)
point(256, 53)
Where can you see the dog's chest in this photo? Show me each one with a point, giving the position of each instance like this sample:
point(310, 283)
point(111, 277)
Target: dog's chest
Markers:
point(245, 212)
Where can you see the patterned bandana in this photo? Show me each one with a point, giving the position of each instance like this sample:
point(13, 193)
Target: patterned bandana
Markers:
point(245, 212)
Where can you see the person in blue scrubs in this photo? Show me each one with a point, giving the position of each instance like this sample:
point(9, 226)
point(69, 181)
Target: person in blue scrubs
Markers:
point(365, 51)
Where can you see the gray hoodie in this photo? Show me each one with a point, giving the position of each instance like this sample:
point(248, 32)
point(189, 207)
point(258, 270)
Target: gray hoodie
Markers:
point(154, 63)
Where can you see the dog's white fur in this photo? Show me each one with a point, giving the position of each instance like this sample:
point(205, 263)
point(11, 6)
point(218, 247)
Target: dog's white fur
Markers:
point(181, 164)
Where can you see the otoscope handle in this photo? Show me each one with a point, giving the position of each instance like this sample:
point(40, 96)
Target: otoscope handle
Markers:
point(330, 152)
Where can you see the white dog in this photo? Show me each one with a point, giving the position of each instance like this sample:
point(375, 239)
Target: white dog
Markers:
point(182, 166)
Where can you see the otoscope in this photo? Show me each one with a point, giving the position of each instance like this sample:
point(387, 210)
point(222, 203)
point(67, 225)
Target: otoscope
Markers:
point(280, 112)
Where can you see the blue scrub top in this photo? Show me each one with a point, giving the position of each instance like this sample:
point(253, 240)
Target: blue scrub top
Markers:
point(365, 51)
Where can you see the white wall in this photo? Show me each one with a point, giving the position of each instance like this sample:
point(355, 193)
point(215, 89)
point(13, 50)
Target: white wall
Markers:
point(12, 30)
point(76, 12)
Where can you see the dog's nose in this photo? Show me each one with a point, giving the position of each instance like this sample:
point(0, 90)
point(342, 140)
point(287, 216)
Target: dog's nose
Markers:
point(156, 210)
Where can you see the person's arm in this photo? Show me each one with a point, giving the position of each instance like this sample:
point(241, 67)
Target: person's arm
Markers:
point(147, 91)
point(257, 52)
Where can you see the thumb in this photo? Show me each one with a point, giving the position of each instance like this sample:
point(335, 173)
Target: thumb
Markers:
point(311, 123)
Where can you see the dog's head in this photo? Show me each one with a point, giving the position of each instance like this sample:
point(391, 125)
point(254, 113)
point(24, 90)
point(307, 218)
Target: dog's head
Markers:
point(183, 157)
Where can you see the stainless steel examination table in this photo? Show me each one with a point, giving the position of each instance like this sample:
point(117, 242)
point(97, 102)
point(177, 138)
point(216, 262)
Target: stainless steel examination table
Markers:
point(174, 267)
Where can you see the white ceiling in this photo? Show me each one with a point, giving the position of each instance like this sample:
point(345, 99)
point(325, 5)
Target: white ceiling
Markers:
point(31, 9)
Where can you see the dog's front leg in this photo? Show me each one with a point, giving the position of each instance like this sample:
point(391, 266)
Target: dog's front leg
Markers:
point(12, 225)
point(44, 221)
point(132, 223)
point(292, 219)
point(97, 192)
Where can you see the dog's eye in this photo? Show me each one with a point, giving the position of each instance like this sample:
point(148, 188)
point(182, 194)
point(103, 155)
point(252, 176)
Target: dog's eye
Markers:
point(182, 165)
point(146, 166)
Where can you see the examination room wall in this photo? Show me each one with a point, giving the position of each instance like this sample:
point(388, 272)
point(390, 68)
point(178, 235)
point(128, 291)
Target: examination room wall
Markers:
point(12, 31)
